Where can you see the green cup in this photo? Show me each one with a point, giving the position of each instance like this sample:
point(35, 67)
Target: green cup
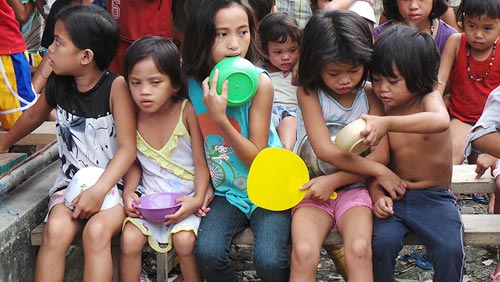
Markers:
point(242, 77)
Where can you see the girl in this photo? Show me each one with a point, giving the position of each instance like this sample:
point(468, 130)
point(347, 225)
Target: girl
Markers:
point(336, 48)
point(170, 151)
point(280, 38)
point(468, 65)
point(232, 137)
point(95, 125)
point(422, 14)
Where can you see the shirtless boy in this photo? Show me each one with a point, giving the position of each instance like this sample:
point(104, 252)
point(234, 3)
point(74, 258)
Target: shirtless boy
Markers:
point(404, 70)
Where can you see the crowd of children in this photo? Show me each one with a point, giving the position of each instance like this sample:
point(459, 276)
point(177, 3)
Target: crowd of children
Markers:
point(117, 81)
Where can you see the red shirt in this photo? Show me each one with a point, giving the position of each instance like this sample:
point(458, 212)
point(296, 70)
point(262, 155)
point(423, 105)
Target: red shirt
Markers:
point(11, 38)
point(138, 18)
point(467, 96)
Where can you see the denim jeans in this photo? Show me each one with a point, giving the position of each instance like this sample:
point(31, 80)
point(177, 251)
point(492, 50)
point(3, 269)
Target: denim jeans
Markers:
point(432, 215)
point(271, 237)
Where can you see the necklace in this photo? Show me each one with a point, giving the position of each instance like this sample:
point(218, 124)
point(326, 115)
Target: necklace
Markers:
point(477, 79)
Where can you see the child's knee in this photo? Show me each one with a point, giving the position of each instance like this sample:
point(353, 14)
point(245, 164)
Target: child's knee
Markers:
point(184, 242)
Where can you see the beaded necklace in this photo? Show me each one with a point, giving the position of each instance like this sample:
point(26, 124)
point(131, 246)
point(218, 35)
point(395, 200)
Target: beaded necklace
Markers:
point(477, 79)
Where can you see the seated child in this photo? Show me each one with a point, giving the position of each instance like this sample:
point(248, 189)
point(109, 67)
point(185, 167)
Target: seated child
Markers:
point(404, 70)
point(280, 39)
point(484, 137)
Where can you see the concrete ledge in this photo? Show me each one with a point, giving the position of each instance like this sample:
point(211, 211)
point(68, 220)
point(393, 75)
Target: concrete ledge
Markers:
point(30, 200)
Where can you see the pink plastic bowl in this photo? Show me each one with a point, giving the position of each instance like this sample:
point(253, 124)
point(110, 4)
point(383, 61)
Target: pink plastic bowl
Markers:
point(155, 207)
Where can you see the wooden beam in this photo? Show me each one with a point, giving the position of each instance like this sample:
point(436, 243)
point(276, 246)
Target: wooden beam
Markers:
point(43, 135)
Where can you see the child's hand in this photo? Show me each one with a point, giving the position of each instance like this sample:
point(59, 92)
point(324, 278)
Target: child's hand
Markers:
point(318, 189)
point(215, 103)
point(382, 207)
point(128, 199)
point(395, 186)
point(189, 206)
point(88, 203)
point(204, 209)
point(483, 162)
point(376, 128)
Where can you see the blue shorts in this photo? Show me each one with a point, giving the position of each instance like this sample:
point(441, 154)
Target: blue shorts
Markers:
point(281, 111)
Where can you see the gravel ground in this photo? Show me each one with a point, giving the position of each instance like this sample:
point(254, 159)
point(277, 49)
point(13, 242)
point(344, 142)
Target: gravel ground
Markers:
point(480, 261)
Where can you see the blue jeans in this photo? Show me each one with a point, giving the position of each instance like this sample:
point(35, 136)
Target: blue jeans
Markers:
point(432, 215)
point(271, 236)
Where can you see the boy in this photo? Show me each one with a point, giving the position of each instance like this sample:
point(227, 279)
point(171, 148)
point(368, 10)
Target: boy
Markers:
point(404, 70)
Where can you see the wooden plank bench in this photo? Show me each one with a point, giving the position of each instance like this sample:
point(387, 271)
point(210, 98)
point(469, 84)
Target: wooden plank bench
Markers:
point(480, 229)
point(39, 137)
point(165, 262)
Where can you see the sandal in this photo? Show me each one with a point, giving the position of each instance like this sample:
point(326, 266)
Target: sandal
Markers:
point(495, 277)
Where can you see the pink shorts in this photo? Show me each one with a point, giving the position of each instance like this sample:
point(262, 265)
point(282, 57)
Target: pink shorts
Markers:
point(344, 201)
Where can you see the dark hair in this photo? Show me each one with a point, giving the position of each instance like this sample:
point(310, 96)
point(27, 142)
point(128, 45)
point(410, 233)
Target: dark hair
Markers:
point(477, 8)
point(200, 36)
point(278, 27)
point(261, 8)
point(391, 10)
point(164, 54)
point(333, 36)
point(414, 54)
point(92, 27)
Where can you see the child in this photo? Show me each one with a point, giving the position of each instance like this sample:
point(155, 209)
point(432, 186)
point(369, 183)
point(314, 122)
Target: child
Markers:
point(336, 47)
point(170, 151)
point(404, 70)
point(468, 65)
point(16, 94)
point(232, 136)
point(484, 137)
point(422, 14)
point(96, 126)
point(280, 39)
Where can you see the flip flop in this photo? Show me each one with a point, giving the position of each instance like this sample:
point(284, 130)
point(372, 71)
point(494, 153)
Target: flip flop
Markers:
point(420, 260)
point(481, 199)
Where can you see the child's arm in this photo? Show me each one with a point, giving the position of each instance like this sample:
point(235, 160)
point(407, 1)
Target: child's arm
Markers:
point(131, 182)
point(123, 108)
point(327, 151)
point(22, 10)
point(27, 122)
point(259, 117)
point(487, 143)
point(320, 188)
point(433, 118)
point(382, 204)
point(191, 205)
point(447, 60)
point(483, 162)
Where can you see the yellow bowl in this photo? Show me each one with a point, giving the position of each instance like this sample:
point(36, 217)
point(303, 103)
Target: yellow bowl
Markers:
point(349, 139)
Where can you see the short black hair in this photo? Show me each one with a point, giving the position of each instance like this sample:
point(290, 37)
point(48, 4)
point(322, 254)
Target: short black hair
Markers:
point(164, 54)
point(333, 36)
point(477, 8)
point(92, 27)
point(414, 54)
point(391, 10)
point(278, 27)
